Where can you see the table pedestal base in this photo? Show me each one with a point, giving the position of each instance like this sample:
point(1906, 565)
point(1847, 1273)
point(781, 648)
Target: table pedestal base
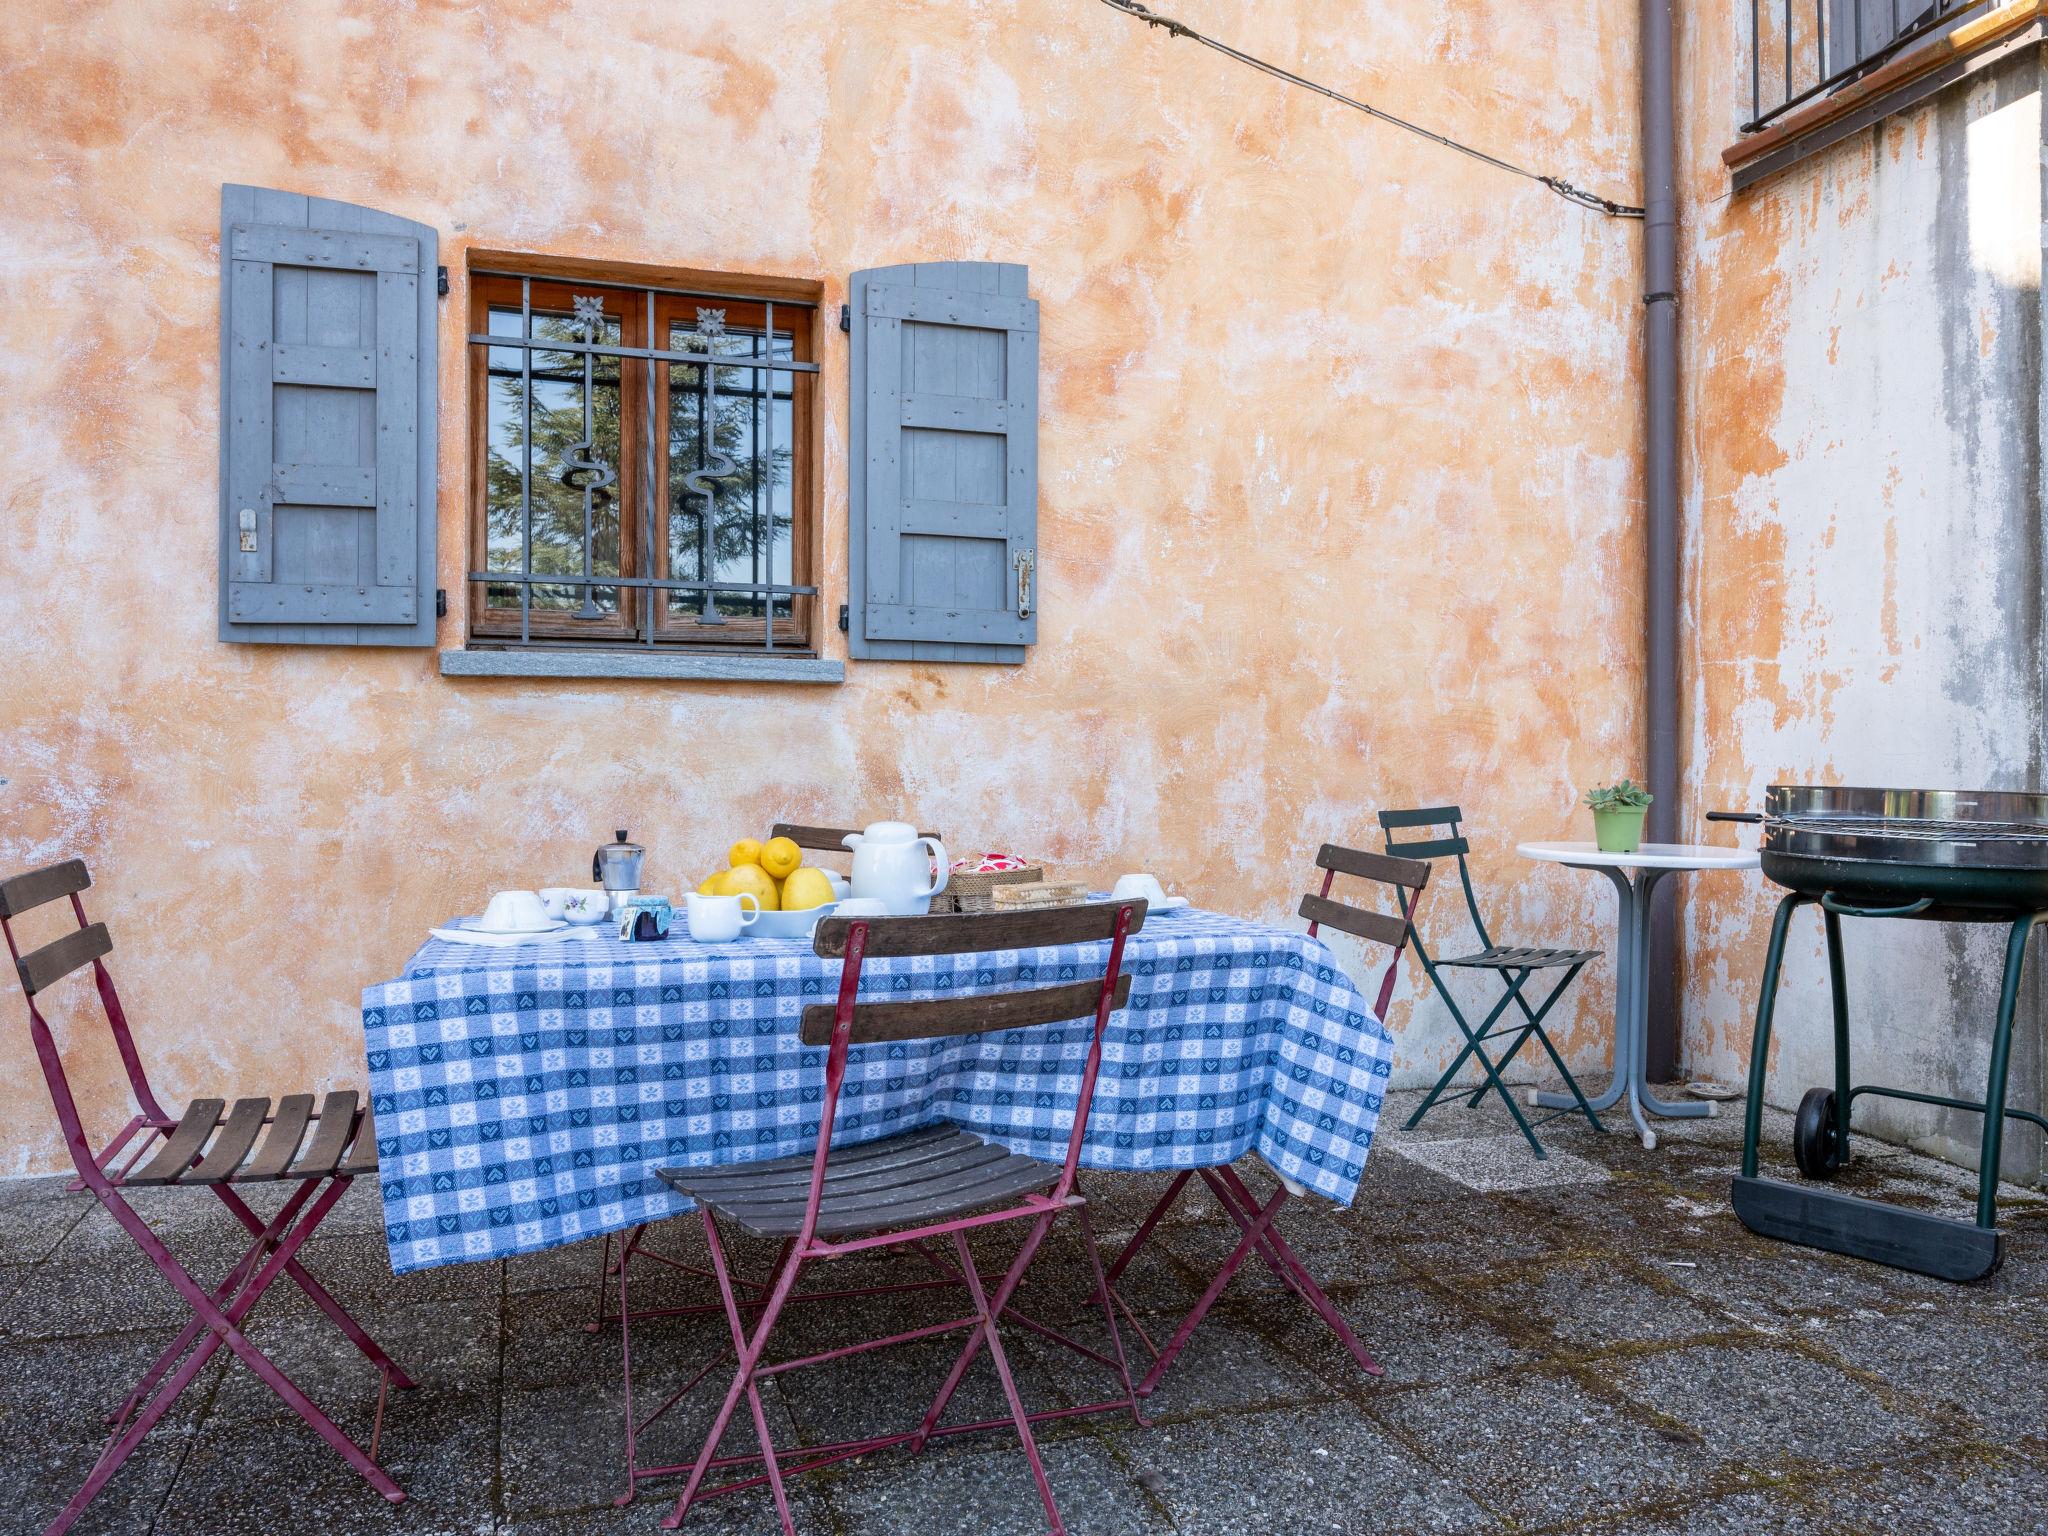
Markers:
point(1632, 1015)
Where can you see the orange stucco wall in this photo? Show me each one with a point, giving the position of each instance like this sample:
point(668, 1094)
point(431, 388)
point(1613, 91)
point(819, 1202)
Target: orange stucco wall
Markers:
point(1340, 467)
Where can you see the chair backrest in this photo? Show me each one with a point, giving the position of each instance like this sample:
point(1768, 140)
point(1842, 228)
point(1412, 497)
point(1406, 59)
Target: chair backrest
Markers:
point(1406, 876)
point(832, 838)
point(848, 1022)
point(87, 944)
point(1451, 845)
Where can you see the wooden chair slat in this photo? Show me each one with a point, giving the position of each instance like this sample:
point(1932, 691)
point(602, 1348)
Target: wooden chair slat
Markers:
point(892, 1151)
point(24, 893)
point(1427, 816)
point(935, 1018)
point(1376, 926)
point(224, 1157)
point(970, 932)
point(331, 1139)
point(287, 1129)
point(1409, 874)
point(183, 1146)
point(1434, 848)
point(59, 958)
point(832, 838)
point(362, 1152)
point(956, 1174)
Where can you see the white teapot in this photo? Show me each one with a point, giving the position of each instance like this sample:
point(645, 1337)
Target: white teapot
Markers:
point(894, 865)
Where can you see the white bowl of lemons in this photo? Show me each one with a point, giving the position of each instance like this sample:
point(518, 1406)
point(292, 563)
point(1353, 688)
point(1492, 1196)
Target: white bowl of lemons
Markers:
point(793, 895)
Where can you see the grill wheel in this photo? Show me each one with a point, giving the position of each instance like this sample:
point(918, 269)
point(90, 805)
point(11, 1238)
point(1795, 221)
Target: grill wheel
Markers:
point(1813, 1135)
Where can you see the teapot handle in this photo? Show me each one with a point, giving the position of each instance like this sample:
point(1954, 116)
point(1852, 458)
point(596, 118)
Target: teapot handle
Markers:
point(944, 866)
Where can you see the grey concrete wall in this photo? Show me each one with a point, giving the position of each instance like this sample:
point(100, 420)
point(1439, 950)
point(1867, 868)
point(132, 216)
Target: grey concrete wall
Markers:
point(1868, 591)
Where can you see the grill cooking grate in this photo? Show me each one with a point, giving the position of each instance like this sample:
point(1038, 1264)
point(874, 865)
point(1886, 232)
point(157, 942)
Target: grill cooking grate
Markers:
point(1961, 830)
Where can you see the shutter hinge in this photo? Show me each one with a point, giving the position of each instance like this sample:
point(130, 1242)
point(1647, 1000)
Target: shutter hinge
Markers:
point(441, 281)
point(846, 317)
point(440, 602)
point(845, 620)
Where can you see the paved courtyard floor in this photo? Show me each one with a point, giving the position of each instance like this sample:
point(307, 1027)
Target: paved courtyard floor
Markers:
point(1601, 1349)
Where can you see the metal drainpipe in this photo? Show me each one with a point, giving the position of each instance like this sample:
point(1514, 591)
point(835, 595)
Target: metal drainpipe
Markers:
point(1660, 380)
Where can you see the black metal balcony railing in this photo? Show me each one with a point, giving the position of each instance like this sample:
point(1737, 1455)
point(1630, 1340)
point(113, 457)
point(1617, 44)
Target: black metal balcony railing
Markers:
point(1801, 49)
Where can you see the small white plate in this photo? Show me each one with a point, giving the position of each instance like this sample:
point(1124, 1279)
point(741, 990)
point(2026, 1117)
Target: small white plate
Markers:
point(1171, 904)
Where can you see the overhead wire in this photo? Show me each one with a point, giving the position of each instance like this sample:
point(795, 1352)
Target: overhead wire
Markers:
point(1557, 184)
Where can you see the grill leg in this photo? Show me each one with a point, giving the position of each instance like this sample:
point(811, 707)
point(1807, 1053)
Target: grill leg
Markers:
point(1760, 1042)
point(1838, 987)
point(2001, 1058)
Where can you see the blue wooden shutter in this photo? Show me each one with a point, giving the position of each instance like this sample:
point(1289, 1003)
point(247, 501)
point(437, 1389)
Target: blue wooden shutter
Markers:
point(328, 375)
point(943, 464)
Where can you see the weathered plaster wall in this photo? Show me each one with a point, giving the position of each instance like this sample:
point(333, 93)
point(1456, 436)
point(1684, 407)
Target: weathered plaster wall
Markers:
point(1338, 508)
point(1864, 548)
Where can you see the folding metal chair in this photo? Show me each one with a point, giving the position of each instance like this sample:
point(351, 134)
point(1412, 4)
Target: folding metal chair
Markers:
point(199, 1148)
point(906, 1191)
point(1514, 964)
point(634, 1244)
point(1254, 1219)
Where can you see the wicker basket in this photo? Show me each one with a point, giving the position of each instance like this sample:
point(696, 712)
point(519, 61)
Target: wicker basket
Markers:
point(969, 890)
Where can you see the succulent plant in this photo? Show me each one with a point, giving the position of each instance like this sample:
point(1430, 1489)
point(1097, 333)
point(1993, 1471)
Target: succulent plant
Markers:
point(1618, 797)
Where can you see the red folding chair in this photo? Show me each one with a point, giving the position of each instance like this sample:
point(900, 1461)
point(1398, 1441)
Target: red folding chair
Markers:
point(634, 1244)
point(199, 1148)
point(1255, 1220)
point(907, 1191)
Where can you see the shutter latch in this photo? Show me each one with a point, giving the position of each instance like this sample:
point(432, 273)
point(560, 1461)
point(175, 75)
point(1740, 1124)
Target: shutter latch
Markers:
point(846, 317)
point(247, 518)
point(1024, 563)
point(845, 620)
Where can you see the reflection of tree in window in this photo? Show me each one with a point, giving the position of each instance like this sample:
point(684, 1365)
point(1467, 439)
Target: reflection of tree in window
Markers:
point(557, 427)
point(750, 534)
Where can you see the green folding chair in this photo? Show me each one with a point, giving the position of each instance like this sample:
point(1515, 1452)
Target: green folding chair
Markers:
point(1514, 964)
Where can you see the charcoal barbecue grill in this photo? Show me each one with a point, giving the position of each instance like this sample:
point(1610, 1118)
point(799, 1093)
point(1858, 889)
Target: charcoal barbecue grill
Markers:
point(1951, 856)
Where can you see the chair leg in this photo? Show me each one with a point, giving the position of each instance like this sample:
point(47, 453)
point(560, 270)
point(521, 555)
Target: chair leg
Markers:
point(223, 1326)
point(318, 1294)
point(1475, 1049)
point(972, 1347)
point(1283, 1261)
point(1245, 1244)
point(604, 1276)
point(1018, 1416)
point(1116, 1337)
point(1582, 1104)
point(749, 1351)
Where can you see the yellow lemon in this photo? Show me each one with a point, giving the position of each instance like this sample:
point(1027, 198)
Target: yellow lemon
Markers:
point(714, 885)
point(804, 889)
point(746, 851)
point(751, 880)
point(780, 856)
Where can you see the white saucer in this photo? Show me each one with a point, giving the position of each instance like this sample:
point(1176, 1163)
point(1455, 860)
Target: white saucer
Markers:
point(475, 925)
point(1171, 904)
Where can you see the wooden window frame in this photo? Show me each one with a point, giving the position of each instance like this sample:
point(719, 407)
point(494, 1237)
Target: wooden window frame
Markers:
point(494, 281)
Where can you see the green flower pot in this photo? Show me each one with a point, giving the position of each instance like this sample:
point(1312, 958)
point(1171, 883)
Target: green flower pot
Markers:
point(1619, 831)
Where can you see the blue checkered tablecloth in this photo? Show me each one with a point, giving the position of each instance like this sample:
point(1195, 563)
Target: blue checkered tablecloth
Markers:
point(525, 1096)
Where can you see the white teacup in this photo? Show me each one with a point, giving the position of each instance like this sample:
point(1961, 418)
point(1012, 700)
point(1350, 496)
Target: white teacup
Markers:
point(719, 919)
point(1145, 888)
point(576, 903)
point(514, 912)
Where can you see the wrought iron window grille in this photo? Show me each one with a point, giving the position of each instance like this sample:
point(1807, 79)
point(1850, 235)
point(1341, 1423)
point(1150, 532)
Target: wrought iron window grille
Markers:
point(579, 352)
point(1804, 49)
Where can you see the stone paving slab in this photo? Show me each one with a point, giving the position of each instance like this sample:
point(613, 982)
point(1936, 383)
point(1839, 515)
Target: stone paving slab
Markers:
point(1594, 1347)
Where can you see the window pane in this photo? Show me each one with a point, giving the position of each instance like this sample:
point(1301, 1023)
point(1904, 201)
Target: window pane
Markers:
point(562, 463)
point(730, 501)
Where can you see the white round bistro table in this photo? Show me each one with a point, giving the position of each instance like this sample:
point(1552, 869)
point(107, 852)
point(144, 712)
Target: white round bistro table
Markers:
point(1651, 863)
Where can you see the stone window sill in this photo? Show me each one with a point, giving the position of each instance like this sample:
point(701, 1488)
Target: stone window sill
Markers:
point(1901, 83)
point(667, 666)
